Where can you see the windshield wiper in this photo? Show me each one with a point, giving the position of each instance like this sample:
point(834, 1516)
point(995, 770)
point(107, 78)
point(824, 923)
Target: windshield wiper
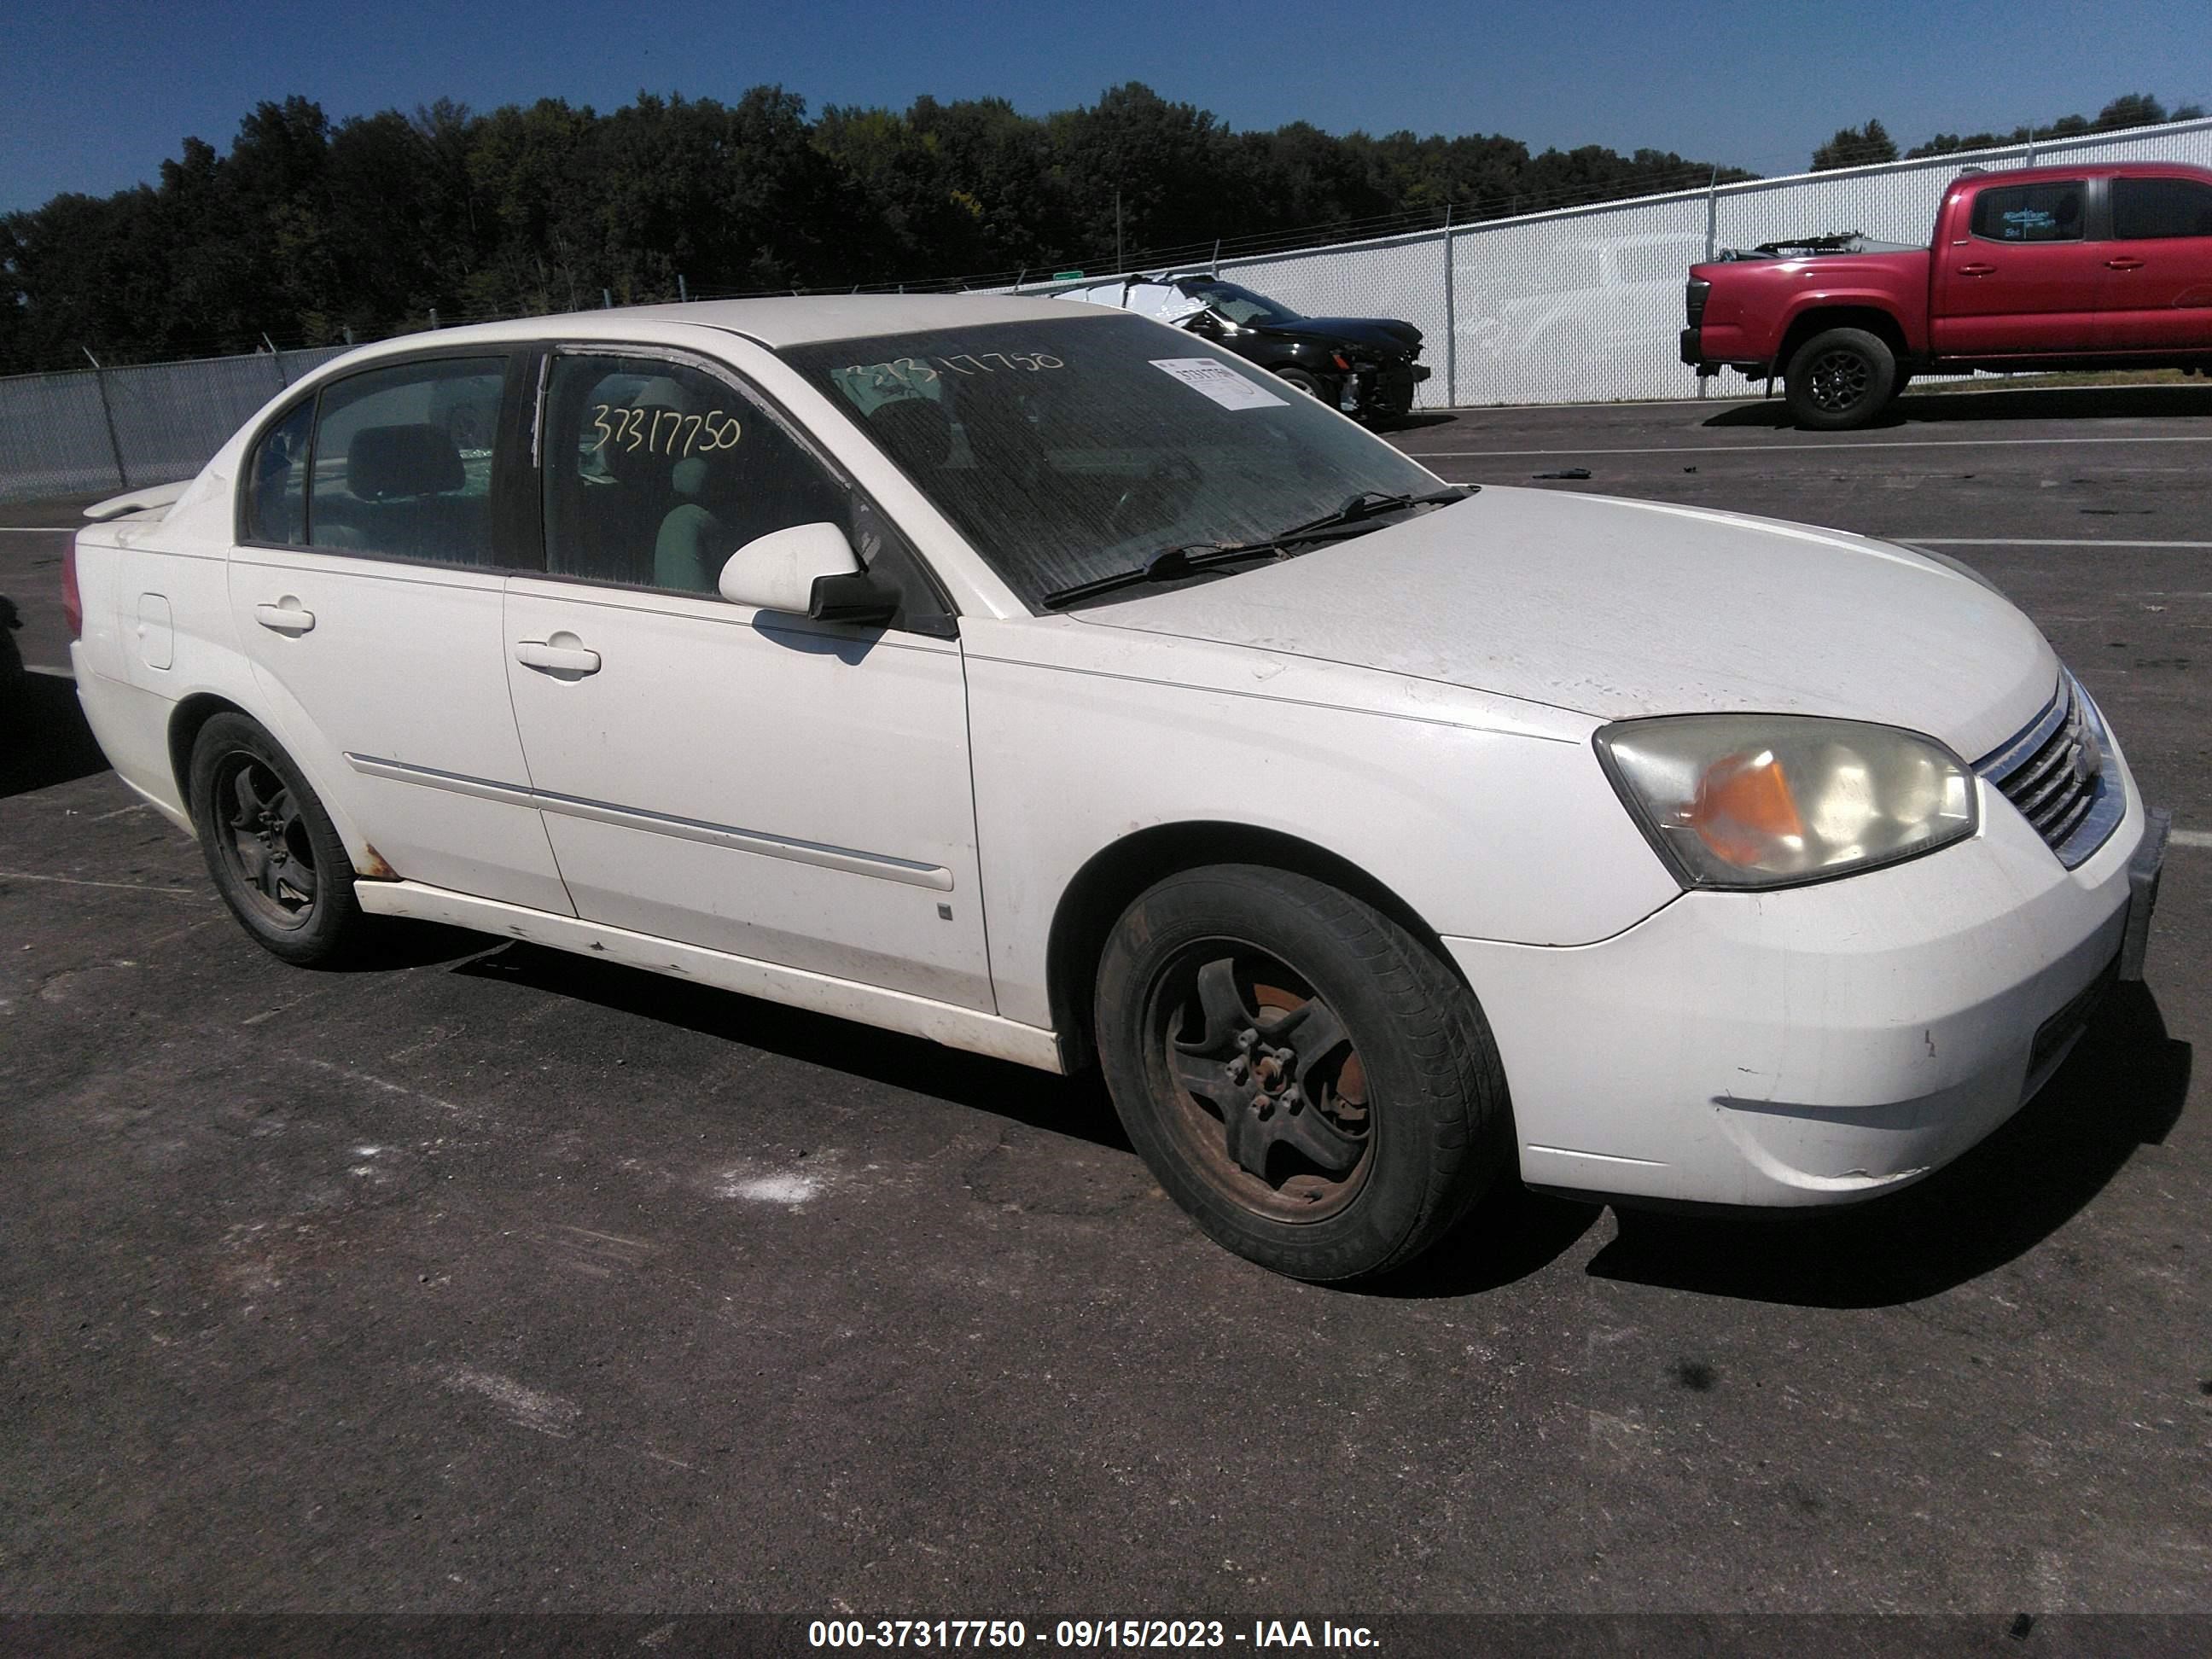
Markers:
point(1165, 565)
point(1187, 557)
point(1368, 502)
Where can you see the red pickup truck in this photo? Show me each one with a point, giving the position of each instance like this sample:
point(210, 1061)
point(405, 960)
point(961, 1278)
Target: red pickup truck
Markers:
point(2044, 267)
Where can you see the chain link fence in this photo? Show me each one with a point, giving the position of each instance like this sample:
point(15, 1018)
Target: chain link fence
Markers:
point(1580, 305)
point(97, 430)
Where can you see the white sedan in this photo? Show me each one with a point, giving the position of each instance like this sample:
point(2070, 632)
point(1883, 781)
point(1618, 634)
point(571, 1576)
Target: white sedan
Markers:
point(1044, 682)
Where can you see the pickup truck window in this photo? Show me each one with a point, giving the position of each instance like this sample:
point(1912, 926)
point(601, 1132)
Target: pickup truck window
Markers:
point(2031, 213)
point(2147, 210)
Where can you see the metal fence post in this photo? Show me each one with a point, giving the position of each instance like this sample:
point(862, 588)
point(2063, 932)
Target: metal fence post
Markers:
point(277, 358)
point(107, 414)
point(1712, 232)
point(1451, 320)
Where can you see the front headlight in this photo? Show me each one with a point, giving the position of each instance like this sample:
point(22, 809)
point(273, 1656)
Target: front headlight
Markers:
point(1766, 800)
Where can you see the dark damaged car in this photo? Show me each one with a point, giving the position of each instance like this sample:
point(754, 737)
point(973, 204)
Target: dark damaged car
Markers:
point(1367, 367)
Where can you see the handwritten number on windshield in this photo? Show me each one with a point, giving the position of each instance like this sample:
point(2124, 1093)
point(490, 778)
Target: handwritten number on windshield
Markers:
point(913, 372)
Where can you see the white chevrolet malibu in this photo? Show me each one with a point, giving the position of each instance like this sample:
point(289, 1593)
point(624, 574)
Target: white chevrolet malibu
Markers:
point(1049, 683)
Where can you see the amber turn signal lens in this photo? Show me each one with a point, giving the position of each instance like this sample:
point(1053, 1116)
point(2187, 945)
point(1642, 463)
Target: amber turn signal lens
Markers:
point(1765, 800)
point(1743, 806)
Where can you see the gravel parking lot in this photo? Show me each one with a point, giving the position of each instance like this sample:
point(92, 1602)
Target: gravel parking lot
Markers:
point(491, 1279)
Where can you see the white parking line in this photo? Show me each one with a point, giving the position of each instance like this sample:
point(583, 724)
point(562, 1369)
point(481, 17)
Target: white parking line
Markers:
point(2190, 837)
point(120, 886)
point(2027, 541)
point(1831, 449)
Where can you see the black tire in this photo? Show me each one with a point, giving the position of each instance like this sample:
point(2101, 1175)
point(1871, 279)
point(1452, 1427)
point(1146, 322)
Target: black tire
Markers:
point(1312, 384)
point(276, 858)
point(1335, 1053)
point(1840, 379)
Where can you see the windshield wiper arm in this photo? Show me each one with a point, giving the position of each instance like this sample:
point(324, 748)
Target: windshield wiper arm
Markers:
point(1164, 566)
point(1187, 558)
point(1368, 502)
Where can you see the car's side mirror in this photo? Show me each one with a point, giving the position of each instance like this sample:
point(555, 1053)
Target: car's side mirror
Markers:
point(778, 571)
point(809, 570)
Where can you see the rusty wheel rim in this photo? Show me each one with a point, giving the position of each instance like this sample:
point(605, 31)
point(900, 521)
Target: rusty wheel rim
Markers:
point(262, 839)
point(1267, 1096)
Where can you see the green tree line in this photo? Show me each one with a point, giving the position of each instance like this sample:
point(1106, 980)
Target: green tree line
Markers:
point(309, 230)
point(1857, 147)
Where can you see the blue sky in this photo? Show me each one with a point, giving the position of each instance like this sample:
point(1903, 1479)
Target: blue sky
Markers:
point(94, 96)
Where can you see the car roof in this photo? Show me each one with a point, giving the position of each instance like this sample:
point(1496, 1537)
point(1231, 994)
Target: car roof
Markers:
point(774, 323)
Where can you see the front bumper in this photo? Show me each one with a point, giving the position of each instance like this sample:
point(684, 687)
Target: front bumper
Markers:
point(1387, 387)
point(1815, 1045)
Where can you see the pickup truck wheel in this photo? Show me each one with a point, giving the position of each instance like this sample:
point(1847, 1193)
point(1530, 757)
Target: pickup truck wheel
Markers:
point(1839, 379)
point(275, 855)
point(1311, 1085)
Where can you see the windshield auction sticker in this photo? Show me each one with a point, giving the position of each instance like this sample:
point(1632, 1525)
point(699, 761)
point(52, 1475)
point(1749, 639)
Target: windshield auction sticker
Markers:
point(1219, 382)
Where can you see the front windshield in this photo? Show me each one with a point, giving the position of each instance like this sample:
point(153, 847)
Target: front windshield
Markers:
point(1067, 450)
point(1240, 305)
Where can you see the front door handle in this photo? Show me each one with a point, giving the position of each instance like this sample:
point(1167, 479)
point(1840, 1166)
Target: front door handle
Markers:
point(1977, 270)
point(2124, 264)
point(562, 655)
point(285, 617)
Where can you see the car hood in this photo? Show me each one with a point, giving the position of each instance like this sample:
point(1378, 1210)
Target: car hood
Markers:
point(1378, 333)
point(1618, 609)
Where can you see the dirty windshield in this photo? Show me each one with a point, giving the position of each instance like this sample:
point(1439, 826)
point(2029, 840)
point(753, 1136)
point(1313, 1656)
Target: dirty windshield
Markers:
point(1069, 450)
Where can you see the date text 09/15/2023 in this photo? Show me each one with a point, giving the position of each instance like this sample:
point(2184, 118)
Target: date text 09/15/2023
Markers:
point(1083, 1634)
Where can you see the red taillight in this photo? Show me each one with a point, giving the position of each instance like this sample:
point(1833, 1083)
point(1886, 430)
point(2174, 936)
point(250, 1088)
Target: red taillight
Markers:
point(72, 601)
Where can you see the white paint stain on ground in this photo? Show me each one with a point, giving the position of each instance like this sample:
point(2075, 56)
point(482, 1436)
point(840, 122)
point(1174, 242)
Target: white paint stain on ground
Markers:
point(543, 1413)
point(789, 1189)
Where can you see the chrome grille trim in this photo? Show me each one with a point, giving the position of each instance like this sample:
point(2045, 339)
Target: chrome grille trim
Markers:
point(2038, 772)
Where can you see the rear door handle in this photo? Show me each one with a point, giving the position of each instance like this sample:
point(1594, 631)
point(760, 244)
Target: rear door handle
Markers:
point(1977, 270)
point(2124, 264)
point(562, 655)
point(285, 617)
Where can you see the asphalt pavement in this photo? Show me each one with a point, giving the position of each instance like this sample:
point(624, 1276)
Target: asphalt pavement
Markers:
point(488, 1279)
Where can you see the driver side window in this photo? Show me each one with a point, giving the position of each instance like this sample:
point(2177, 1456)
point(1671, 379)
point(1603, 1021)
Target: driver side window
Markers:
point(655, 472)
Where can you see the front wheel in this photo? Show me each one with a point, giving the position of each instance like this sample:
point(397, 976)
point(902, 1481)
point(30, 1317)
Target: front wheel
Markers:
point(1839, 379)
point(275, 855)
point(1312, 384)
point(1307, 1080)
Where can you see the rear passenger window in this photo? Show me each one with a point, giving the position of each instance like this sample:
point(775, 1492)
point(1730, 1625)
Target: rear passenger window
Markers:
point(277, 481)
point(2147, 210)
point(656, 473)
point(402, 462)
point(2031, 213)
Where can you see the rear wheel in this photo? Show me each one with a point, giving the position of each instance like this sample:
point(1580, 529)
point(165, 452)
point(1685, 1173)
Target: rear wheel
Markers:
point(1302, 1077)
point(275, 855)
point(1841, 378)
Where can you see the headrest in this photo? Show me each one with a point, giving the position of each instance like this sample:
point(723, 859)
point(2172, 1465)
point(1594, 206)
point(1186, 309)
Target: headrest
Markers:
point(384, 462)
point(663, 392)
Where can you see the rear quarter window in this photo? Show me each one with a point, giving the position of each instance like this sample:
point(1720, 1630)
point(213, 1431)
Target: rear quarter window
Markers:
point(274, 509)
